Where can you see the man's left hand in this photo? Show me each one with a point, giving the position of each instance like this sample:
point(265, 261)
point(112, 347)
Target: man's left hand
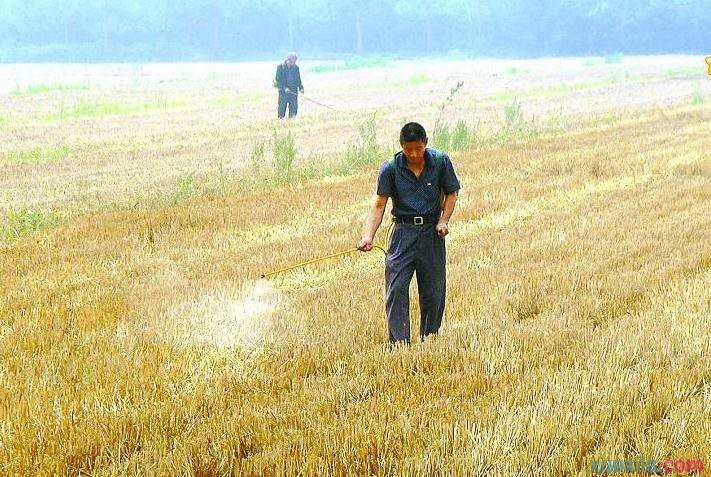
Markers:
point(442, 229)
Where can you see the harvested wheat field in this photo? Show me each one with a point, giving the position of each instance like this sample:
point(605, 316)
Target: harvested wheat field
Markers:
point(139, 206)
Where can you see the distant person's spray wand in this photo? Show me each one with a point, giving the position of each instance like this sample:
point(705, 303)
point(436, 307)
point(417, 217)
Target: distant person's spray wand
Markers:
point(312, 100)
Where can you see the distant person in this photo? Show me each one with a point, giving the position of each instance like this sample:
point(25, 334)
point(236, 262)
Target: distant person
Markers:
point(423, 187)
point(288, 80)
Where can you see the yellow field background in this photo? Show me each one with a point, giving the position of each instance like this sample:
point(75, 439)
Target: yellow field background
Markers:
point(137, 338)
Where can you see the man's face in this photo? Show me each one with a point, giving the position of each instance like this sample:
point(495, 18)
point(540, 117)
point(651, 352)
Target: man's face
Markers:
point(414, 150)
point(291, 61)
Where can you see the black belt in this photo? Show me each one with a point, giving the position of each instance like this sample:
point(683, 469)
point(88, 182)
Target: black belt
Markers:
point(416, 219)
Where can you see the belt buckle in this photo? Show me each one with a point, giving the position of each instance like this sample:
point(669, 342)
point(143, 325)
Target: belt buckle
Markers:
point(418, 220)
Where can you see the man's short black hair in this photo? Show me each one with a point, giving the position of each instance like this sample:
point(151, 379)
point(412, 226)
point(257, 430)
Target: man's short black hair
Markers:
point(413, 132)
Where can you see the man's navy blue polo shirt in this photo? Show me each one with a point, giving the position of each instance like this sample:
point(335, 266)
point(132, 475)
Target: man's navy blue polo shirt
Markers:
point(418, 197)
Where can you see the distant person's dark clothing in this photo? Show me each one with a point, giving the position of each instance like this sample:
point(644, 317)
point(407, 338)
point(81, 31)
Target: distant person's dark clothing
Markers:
point(287, 99)
point(288, 77)
point(288, 80)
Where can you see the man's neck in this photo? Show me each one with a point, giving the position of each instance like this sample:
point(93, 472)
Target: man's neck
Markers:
point(415, 164)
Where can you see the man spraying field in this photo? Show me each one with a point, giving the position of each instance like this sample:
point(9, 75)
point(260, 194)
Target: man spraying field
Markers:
point(423, 186)
point(288, 80)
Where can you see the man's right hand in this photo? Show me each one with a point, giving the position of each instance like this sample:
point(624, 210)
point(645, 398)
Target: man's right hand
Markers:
point(365, 244)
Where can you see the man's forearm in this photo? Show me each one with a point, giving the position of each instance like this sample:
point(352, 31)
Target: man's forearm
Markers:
point(376, 218)
point(448, 207)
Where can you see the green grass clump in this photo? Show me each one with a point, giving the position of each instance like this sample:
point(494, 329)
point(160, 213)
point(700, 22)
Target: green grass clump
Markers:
point(446, 138)
point(513, 114)
point(416, 80)
point(37, 155)
point(284, 148)
point(233, 100)
point(224, 100)
point(546, 91)
point(515, 71)
point(593, 61)
point(93, 109)
point(688, 72)
point(48, 88)
point(256, 158)
point(365, 150)
point(461, 136)
point(184, 188)
point(441, 137)
point(22, 222)
point(515, 124)
point(697, 98)
point(354, 63)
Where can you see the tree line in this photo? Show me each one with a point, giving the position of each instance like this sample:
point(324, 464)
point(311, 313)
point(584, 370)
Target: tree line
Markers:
point(135, 30)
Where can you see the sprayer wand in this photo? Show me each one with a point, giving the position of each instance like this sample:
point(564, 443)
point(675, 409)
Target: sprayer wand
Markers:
point(331, 255)
point(314, 260)
point(312, 100)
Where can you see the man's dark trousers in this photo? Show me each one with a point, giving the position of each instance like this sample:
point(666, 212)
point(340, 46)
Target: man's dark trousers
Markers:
point(414, 249)
point(290, 99)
